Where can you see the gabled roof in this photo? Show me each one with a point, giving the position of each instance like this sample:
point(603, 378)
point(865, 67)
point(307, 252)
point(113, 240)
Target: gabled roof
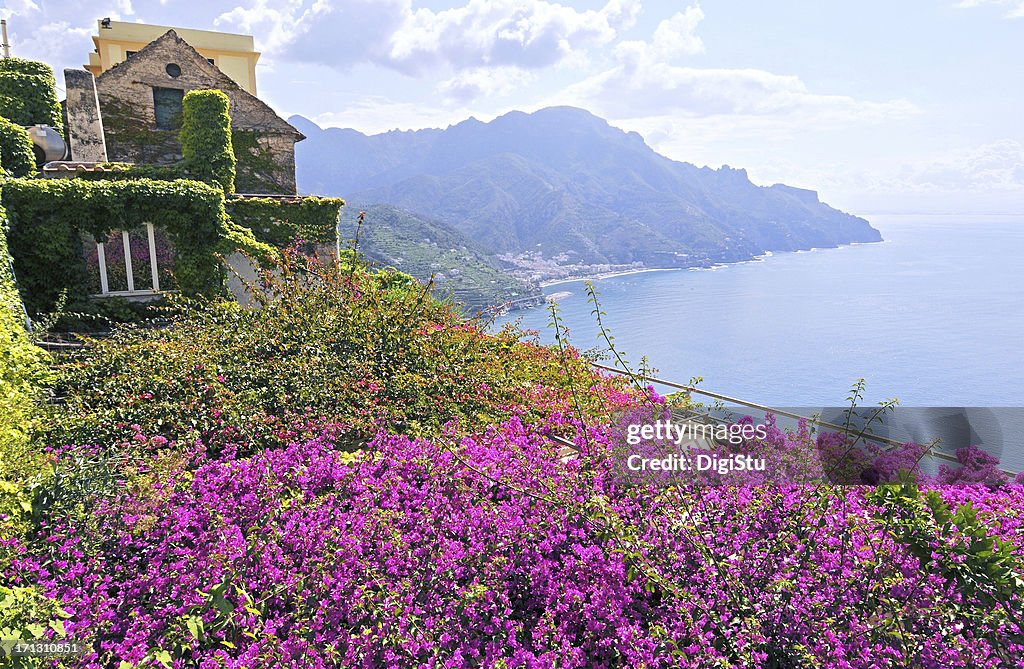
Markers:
point(254, 114)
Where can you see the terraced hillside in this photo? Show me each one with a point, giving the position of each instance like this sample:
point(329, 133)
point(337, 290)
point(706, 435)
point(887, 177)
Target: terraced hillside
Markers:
point(424, 248)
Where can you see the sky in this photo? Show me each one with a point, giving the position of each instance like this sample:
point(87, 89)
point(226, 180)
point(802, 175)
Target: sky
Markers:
point(880, 106)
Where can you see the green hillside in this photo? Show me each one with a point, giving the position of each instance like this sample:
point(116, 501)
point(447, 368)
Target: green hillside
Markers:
point(424, 248)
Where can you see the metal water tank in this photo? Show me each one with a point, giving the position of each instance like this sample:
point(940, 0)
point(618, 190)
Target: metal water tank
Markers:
point(47, 144)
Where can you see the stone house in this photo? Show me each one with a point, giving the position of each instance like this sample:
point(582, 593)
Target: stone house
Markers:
point(127, 107)
point(140, 104)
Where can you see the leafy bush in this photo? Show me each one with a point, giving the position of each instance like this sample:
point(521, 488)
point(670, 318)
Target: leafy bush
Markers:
point(28, 94)
point(329, 343)
point(352, 475)
point(280, 222)
point(16, 157)
point(206, 138)
point(490, 551)
point(25, 612)
point(24, 374)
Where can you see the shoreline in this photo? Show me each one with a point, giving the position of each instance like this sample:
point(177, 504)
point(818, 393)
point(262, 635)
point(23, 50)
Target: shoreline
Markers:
point(714, 266)
point(608, 275)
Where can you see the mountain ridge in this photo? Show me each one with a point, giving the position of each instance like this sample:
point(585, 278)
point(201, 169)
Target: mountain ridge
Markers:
point(563, 183)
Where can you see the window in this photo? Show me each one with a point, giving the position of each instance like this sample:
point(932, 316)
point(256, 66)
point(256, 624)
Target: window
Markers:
point(167, 106)
point(173, 70)
point(129, 54)
point(128, 262)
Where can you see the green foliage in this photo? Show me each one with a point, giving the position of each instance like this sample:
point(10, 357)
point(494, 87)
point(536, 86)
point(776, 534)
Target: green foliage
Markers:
point(24, 373)
point(48, 217)
point(958, 544)
point(104, 315)
point(281, 222)
point(27, 615)
point(206, 138)
point(16, 157)
point(257, 171)
point(328, 343)
point(28, 94)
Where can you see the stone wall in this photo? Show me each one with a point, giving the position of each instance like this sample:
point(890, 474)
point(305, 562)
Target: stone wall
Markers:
point(83, 121)
point(266, 162)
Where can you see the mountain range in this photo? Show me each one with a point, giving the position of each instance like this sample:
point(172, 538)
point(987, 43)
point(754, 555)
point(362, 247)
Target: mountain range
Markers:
point(563, 188)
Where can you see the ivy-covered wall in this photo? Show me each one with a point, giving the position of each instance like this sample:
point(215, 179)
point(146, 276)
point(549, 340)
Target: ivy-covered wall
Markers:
point(280, 222)
point(16, 157)
point(48, 217)
point(28, 93)
point(132, 136)
point(265, 163)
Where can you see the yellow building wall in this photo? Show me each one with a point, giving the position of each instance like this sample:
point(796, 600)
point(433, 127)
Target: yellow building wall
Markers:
point(233, 54)
point(236, 67)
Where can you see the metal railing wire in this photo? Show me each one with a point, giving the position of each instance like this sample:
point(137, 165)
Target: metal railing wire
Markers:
point(689, 388)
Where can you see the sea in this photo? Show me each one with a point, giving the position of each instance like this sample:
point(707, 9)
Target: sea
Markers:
point(932, 316)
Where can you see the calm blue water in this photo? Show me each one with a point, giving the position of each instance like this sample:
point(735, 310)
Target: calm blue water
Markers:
point(933, 316)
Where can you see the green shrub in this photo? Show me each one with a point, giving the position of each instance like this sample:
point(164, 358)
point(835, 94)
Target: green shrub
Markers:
point(206, 138)
point(28, 94)
point(328, 343)
point(281, 222)
point(24, 373)
point(16, 156)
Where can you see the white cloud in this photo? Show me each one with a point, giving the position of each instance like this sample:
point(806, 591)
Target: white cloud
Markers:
point(272, 21)
point(629, 90)
point(53, 43)
point(483, 82)
point(985, 178)
point(674, 37)
point(990, 167)
point(647, 82)
point(58, 34)
point(526, 34)
point(1015, 11)
point(18, 8)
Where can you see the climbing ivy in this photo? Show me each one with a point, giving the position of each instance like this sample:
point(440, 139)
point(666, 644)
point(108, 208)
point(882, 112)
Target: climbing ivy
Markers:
point(280, 222)
point(206, 138)
point(48, 217)
point(16, 156)
point(28, 93)
point(257, 170)
point(130, 134)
